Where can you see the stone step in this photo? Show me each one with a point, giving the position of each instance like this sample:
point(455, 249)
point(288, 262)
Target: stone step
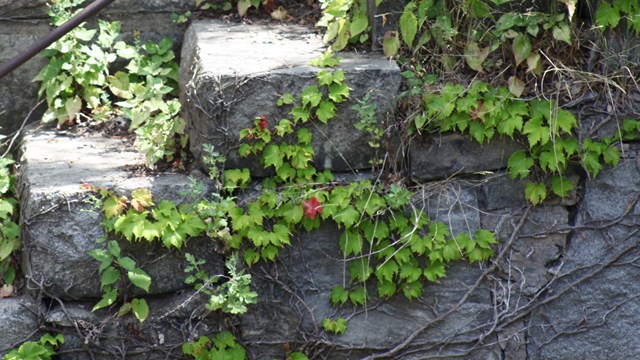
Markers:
point(231, 74)
point(59, 225)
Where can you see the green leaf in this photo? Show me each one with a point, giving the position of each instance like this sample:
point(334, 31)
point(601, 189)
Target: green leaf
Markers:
point(325, 78)
point(412, 290)
point(521, 48)
point(474, 55)
point(347, 217)
point(109, 276)
point(408, 25)
point(107, 300)
point(516, 86)
point(140, 309)
point(536, 132)
point(358, 296)
point(410, 271)
point(565, 121)
point(351, 242)
point(386, 289)
point(390, 44)
point(607, 16)
point(326, 111)
point(126, 263)
point(285, 99)
point(387, 271)
point(519, 164)
point(338, 92)
point(434, 270)
point(561, 186)
point(338, 295)
point(562, 32)
point(139, 278)
point(359, 23)
point(535, 192)
point(272, 156)
point(311, 95)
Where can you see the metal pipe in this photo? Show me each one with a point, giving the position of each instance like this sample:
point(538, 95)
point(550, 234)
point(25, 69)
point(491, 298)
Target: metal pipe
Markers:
point(53, 36)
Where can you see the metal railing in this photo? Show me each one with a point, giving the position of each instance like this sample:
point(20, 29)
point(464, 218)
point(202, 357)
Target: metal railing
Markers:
point(53, 36)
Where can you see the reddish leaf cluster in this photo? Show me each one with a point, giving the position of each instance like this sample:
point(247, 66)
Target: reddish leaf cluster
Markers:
point(311, 208)
point(262, 123)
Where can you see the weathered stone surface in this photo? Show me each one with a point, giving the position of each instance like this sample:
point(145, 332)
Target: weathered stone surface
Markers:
point(294, 299)
point(100, 335)
point(18, 321)
point(454, 203)
point(224, 91)
point(594, 301)
point(440, 156)
point(59, 226)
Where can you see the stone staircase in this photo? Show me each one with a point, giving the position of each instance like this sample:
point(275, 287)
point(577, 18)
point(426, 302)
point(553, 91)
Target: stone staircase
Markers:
point(230, 74)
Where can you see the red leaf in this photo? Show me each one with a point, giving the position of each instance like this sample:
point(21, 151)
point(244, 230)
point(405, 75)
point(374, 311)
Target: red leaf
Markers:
point(262, 123)
point(311, 208)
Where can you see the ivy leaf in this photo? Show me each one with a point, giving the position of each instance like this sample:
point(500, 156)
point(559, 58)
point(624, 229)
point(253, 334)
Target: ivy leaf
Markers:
point(311, 95)
point(565, 121)
point(300, 113)
point(140, 309)
point(359, 270)
point(509, 124)
point(338, 92)
point(519, 164)
point(141, 199)
point(347, 217)
point(338, 295)
point(285, 99)
point(535, 192)
point(561, 186)
point(451, 251)
point(351, 242)
point(113, 206)
point(311, 207)
point(326, 111)
point(270, 253)
point(324, 77)
point(410, 271)
point(607, 15)
point(408, 24)
point(272, 156)
point(387, 271)
point(412, 290)
point(521, 48)
point(434, 271)
point(139, 278)
point(485, 238)
point(536, 132)
point(358, 296)
point(386, 289)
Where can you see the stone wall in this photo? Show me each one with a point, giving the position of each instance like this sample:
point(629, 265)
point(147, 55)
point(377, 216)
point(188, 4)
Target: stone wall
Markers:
point(562, 284)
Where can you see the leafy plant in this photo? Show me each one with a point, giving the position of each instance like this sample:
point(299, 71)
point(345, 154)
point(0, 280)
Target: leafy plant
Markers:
point(112, 266)
point(42, 349)
point(78, 82)
point(9, 230)
point(223, 346)
point(232, 296)
point(346, 21)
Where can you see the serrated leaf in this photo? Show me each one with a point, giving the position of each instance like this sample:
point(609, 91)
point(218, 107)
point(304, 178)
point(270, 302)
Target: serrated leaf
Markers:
point(561, 186)
point(521, 48)
point(338, 295)
point(141, 199)
point(326, 111)
point(434, 270)
point(140, 309)
point(139, 278)
point(408, 25)
point(607, 15)
point(311, 95)
point(412, 290)
point(410, 271)
point(338, 92)
point(358, 296)
point(565, 121)
point(386, 289)
point(351, 242)
point(347, 217)
point(536, 132)
point(475, 56)
point(272, 156)
point(535, 192)
point(519, 164)
point(387, 271)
